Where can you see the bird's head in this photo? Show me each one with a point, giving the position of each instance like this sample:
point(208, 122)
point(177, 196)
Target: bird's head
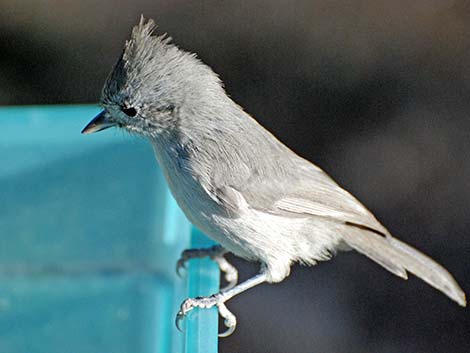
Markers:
point(151, 83)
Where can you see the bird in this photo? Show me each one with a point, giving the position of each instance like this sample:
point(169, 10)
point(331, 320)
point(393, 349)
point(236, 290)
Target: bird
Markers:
point(236, 181)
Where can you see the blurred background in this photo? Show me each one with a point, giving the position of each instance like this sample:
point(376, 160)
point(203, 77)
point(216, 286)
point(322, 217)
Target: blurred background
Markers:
point(375, 92)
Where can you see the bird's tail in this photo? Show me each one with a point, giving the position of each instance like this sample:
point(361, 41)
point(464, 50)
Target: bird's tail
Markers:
point(398, 258)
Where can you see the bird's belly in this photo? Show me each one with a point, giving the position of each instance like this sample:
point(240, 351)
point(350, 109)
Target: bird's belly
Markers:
point(260, 235)
point(279, 240)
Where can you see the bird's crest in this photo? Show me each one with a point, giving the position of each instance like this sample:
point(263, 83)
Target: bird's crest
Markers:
point(143, 43)
point(152, 68)
point(141, 58)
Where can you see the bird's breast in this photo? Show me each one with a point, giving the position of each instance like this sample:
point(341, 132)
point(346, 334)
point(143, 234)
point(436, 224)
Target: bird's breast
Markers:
point(186, 183)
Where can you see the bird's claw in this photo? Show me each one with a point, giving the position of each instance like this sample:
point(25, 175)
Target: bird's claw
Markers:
point(186, 255)
point(230, 320)
point(218, 300)
point(180, 264)
point(216, 253)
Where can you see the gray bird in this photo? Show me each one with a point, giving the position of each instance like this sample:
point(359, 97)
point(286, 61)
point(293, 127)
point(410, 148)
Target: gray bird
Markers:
point(236, 182)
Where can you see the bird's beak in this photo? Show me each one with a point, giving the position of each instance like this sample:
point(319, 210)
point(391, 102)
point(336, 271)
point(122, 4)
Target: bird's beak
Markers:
point(100, 122)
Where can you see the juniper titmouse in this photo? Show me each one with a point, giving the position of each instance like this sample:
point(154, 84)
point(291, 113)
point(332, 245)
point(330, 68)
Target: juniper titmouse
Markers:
point(238, 183)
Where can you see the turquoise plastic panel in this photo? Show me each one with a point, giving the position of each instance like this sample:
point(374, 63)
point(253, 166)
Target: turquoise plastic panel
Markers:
point(89, 239)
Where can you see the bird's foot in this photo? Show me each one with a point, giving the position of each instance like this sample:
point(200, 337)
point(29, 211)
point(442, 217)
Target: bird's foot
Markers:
point(208, 302)
point(212, 252)
point(216, 253)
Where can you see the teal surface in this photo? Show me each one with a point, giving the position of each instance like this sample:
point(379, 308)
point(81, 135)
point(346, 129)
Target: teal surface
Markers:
point(89, 238)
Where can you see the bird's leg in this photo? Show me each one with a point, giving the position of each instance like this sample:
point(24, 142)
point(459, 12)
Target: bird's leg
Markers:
point(219, 300)
point(216, 253)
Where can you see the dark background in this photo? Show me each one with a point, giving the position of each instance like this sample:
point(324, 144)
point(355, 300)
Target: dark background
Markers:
point(375, 92)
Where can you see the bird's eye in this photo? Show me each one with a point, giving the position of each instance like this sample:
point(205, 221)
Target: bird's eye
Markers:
point(129, 111)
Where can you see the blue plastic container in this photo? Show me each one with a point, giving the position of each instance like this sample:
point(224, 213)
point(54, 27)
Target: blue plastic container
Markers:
point(89, 238)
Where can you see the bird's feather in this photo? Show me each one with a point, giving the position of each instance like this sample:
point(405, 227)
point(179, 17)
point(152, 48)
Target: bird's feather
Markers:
point(398, 257)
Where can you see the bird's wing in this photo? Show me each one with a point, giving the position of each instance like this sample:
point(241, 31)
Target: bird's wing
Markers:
point(293, 187)
point(304, 190)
